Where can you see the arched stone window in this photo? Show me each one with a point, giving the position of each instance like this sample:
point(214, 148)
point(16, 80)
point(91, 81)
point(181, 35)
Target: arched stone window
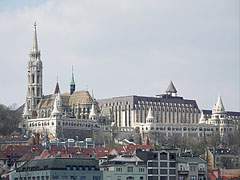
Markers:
point(33, 78)
point(33, 91)
point(38, 91)
point(38, 78)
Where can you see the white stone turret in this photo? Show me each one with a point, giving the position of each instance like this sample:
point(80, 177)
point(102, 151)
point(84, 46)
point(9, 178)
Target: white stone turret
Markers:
point(26, 112)
point(150, 118)
point(218, 107)
point(57, 106)
point(202, 120)
point(93, 113)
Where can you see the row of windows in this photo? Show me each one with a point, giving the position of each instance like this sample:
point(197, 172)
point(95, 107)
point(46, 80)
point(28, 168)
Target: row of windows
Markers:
point(171, 110)
point(162, 177)
point(162, 171)
point(180, 129)
point(162, 164)
point(33, 79)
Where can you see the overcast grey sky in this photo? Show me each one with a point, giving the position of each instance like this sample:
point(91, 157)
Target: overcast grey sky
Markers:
point(124, 47)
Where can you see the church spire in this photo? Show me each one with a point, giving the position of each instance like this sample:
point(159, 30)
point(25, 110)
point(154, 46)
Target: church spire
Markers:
point(35, 44)
point(72, 84)
point(34, 71)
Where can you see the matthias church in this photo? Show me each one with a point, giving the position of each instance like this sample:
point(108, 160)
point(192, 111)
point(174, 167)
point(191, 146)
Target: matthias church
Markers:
point(77, 113)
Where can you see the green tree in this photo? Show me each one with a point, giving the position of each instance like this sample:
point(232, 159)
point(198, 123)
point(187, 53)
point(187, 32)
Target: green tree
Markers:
point(9, 120)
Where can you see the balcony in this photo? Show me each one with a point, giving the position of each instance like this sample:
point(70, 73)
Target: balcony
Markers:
point(183, 172)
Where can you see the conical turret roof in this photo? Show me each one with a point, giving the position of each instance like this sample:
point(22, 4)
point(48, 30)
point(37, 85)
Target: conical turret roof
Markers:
point(57, 89)
point(171, 88)
point(219, 107)
point(150, 115)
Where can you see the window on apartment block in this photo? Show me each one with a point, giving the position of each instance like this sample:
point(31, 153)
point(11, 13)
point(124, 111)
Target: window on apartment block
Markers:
point(172, 177)
point(163, 164)
point(163, 177)
point(172, 156)
point(141, 178)
point(119, 169)
point(172, 171)
point(152, 164)
point(172, 164)
point(130, 169)
point(119, 178)
point(82, 178)
point(163, 156)
point(163, 171)
point(181, 178)
point(193, 168)
point(152, 177)
point(130, 178)
point(141, 169)
point(193, 178)
point(96, 177)
point(152, 171)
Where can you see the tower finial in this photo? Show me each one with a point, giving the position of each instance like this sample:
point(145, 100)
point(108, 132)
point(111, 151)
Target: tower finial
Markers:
point(35, 44)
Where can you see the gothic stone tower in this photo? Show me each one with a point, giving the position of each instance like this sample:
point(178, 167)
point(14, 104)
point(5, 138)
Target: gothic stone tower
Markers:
point(34, 92)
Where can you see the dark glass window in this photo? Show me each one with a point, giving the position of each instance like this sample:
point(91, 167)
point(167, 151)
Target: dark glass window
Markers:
point(152, 164)
point(152, 177)
point(153, 171)
point(163, 164)
point(172, 171)
point(172, 164)
point(163, 171)
point(172, 156)
point(163, 156)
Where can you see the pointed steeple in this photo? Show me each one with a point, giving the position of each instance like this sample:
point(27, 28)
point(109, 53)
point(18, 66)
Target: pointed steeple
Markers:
point(35, 44)
point(219, 107)
point(150, 118)
point(57, 89)
point(72, 84)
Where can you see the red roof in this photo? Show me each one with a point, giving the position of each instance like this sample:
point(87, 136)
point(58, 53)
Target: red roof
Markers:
point(18, 150)
point(126, 149)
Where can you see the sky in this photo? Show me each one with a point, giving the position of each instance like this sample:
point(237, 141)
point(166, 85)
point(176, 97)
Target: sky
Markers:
point(124, 47)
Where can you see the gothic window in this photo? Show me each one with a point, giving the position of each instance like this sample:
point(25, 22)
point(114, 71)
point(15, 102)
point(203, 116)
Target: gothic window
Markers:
point(38, 91)
point(33, 78)
point(84, 110)
point(32, 91)
point(37, 78)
